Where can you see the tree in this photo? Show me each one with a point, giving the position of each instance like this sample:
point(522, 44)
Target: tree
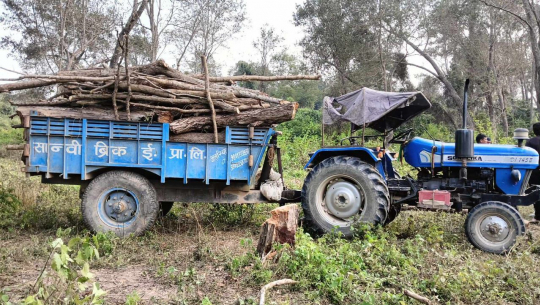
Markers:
point(158, 22)
point(126, 29)
point(266, 44)
point(340, 39)
point(55, 35)
point(219, 21)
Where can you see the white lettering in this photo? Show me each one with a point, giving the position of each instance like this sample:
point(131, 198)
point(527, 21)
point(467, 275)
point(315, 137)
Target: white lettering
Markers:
point(217, 154)
point(196, 153)
point(239, 154)
point(74, 148)
point(55, 147)
point(101, 149)
point(149, 152)
point(118, 151)
point(40, 147)
point(239, 164)
point(176, 153)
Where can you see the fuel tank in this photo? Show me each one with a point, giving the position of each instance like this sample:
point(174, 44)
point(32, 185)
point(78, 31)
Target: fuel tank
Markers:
point(419, 152)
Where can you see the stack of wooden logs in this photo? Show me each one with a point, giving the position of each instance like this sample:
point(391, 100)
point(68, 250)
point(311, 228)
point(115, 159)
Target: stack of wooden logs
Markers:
point(156, 92)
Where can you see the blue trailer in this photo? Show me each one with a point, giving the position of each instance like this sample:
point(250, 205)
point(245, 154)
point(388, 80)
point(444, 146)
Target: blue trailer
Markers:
point(128, 171)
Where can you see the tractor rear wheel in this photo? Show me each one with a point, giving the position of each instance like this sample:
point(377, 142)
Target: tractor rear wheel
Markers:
point(341, 191)
point(494, 226)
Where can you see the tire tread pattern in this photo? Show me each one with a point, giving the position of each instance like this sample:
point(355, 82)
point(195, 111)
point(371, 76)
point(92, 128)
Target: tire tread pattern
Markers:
point(380, 189)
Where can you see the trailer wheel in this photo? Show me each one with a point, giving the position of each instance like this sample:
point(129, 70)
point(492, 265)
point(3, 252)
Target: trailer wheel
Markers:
point(493, 226)
point(165, 207)
point(121, 202)
point(341, 191)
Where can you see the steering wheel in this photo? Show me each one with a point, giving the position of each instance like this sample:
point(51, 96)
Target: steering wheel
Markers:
point(402, 137)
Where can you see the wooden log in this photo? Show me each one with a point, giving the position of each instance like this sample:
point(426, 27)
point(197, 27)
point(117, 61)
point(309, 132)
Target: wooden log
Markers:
point(15, 147)
point(55, 102)
point(164, 117)
point(35, 83)
point(82, 113)
point(280, 227)
point(259, 78)
point(213, 94)
point(175, 109)
point(257, 117)
point(197, 137)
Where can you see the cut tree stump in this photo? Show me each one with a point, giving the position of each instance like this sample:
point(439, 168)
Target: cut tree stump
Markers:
point(280, 227)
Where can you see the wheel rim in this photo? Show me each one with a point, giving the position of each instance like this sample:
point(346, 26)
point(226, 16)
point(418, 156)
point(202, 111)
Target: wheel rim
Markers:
point(340, 199)
point(494, 228)
point(118, 207)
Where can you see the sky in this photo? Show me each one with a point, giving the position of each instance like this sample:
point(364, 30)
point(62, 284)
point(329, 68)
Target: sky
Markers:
point(276, 13)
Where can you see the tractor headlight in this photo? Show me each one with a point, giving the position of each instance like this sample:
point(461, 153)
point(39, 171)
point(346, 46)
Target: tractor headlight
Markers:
point(515, 175)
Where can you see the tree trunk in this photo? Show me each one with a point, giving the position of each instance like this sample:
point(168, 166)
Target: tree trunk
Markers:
point(280, 227)
point(257, 117)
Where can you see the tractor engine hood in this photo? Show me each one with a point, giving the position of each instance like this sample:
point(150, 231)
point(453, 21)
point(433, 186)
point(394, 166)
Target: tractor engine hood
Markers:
point(419, 152)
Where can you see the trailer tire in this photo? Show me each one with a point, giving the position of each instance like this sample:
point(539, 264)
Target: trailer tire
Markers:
point(494, 226)
point(372, 190)
point(121, 202)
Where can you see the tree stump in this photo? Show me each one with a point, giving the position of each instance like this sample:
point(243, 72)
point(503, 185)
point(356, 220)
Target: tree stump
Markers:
point(280, 227)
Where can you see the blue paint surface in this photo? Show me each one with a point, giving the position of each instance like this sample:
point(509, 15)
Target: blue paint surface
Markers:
point(78, 147)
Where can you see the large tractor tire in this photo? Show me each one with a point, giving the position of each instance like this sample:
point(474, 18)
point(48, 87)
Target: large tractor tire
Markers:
point(342, 191)
point(121, 202)
point(494, 226)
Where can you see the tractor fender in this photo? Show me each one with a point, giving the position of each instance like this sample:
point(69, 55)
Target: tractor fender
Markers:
point(364, 154)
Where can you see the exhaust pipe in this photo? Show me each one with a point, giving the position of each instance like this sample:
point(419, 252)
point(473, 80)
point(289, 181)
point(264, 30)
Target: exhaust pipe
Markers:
point(465, 99)
point(464, 137)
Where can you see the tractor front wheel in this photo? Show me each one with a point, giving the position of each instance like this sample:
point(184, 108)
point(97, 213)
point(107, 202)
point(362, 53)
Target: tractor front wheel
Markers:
point(341, 191)
point(494, 226)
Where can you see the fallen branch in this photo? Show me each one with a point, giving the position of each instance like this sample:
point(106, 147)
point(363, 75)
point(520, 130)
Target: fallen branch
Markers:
point(416, 296)
point(262, 78)
point(272, 284)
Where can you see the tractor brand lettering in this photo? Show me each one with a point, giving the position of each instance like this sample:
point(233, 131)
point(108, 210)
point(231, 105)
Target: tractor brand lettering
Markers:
point(454, 158)
point(240, 154)
point(196, 153)
point(74, 148)
point(177, 153)
point(217, 154)
point(149, 152)
point(239, 163)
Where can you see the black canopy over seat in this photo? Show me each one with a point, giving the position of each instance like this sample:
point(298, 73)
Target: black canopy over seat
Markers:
point(382, 111)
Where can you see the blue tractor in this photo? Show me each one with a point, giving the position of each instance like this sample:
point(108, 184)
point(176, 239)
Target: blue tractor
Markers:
point(353, 183)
